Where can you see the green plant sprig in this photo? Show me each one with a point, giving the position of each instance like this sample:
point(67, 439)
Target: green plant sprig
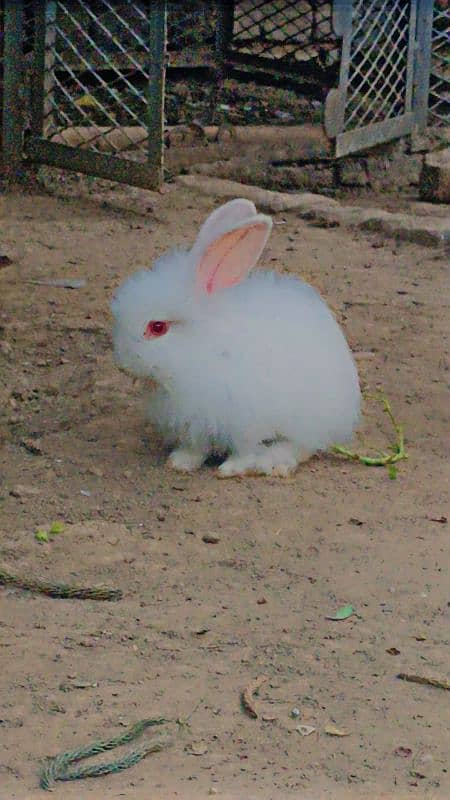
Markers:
point(398, 452)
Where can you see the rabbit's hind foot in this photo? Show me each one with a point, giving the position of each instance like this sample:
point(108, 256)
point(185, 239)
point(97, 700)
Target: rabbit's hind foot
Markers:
point(277, 460)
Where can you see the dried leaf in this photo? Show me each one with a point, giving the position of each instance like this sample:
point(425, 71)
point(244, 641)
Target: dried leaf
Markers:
point(210, 538)
point(32, 445)
point(393, 651)
point(247, 695)
point(196, 749)
point(70, 687)
point(342, 613)
point(441, 519)
point(305, 730)
point(331, 730)
point(439, 683)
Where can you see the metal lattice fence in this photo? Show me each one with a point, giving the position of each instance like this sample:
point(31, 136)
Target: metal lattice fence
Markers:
point(439, 99)
point(85, 81)
point(97, 54)
point(379, 60)
point(284, 33)
point(384, 71)
point(96, 73)
point(98, 58)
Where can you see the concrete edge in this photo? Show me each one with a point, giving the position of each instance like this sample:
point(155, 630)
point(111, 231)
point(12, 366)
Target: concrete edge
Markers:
point(326, 211)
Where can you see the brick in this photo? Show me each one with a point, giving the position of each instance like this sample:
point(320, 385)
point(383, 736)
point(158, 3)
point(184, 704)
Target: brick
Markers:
point(435, 177)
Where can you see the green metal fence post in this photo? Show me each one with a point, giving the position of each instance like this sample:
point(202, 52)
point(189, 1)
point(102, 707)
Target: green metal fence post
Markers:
point(224, 30)
point(50, 60)
point(156, 86)
point(37, 70)
point(13, 91)
point(422, 64)
point(223, 39)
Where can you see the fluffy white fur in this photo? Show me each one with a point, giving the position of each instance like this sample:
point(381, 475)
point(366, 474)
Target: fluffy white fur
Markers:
point(263, 361)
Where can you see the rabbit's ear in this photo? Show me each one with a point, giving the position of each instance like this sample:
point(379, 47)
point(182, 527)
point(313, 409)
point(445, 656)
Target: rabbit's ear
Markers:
point(231, 256)
point(223, 219)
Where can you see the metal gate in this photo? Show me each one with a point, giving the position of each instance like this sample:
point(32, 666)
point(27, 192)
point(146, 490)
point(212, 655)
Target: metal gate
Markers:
point(384, 73)
point(83, 67)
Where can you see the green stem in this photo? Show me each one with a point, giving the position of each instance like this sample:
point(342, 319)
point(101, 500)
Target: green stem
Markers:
point(384, 459)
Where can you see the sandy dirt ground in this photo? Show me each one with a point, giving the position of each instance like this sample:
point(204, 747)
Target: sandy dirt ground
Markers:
point(201, 620)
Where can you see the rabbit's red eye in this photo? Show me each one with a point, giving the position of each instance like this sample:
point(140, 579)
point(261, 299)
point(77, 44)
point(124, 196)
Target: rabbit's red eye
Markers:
point(156, 328)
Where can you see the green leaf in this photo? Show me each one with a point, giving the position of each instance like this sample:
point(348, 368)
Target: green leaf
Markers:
point(86, 100)
point(392, 472)
point(41, 536)
point(342, 613)
point(56, 527)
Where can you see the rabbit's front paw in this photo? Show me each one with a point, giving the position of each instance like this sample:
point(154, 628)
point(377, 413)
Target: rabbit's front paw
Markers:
point(184, 460)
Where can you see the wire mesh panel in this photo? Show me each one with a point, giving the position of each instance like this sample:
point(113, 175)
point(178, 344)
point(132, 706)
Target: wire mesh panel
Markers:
point(374, 100)
point(223, 55)
point(439, 96)
point(377, 87)
point(98, 86)
point(284, 36)
point(98, 74)
point(283, 29)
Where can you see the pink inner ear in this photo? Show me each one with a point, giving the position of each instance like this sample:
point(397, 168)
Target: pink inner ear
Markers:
point(229, 259)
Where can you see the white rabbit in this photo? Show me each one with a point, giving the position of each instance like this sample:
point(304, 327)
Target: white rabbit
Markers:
point(252, 366)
